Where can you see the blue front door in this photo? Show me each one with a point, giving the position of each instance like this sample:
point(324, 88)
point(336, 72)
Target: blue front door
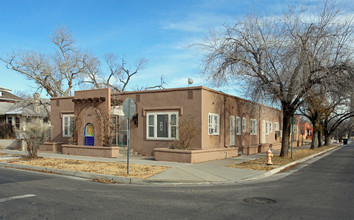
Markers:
point(89, 135)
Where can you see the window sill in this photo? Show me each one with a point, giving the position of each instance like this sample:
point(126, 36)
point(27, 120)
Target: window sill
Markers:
point(161, 139)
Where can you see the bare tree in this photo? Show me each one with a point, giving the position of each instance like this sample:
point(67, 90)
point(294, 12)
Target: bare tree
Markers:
point(343, 129)
point(315, 109)
point(118, 77)
point(187, 131)
point(35, 135)
point(332, 121)
point(161, 85)
point(70, 66)
point(55, 74)
point(283, 57)
point(328, 107)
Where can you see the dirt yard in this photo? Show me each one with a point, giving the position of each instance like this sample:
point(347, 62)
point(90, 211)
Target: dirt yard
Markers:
point(261, 164)
point(108, 168)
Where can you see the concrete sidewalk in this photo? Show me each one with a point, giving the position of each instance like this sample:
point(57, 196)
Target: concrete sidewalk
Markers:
point(206, 172)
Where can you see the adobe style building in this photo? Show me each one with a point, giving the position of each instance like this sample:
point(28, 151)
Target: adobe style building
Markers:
point(226, 124)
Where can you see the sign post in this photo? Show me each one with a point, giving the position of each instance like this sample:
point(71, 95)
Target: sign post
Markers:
point(292, 134)
point(129, 109)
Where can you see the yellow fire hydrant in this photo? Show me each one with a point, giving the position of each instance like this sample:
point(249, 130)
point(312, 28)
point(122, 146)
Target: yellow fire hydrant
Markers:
point(269, 157)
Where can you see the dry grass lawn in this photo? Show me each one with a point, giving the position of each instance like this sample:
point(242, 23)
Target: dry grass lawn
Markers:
point(108, 168)
point(261, 163)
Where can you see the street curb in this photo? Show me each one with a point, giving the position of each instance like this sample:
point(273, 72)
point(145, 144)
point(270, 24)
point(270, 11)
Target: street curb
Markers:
point(277, 170)
point(127, 180)
point(91, 176)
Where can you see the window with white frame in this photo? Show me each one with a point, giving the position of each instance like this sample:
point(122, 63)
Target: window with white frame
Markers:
point(68, 125)
point(253, 127)
point(9, 120)
point(276, 126)
point(162, 125)
point(17, 122)
point(267, 127)
point(213, 124)
point(238, 125)
point(244, 125)
point(270, 127)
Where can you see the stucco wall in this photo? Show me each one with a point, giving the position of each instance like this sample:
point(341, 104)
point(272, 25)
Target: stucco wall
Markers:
point(226, 106)
point(60, 106)
point(196, 102)
point(90, 108)
point(186, 101)
point(212, 103)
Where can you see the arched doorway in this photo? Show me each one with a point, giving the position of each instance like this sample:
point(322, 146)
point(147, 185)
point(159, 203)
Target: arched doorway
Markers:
point(89, 135)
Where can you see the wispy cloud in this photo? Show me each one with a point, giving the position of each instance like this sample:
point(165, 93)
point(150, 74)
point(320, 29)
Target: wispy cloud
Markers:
point(197, 22)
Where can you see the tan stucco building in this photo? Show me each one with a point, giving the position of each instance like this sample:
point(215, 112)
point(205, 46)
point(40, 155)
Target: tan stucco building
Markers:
point(223, 121)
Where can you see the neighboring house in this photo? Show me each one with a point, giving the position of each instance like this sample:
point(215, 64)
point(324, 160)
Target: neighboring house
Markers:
point(306, 130)
point(224, 121)
point(7, 100)
point(23, 113)
point(7, 96)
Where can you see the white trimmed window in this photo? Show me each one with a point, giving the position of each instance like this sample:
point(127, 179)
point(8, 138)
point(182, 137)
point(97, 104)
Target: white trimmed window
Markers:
point(213, 124)
point(68, 125)
point(244, 125)
point(253, 127)
point(270, 127)
point(267, 127)
point(276, 126)
point(238, 125)
point(162, 126)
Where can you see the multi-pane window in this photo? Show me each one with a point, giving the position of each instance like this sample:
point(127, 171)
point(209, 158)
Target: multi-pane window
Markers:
point(238, 125)
point(17, 122)
point(163, 126)
point(68, 125)
point(253, 127)
point(151, 126)
point(276, 126)
point(244, 125)
point(173, 124)
point(213, 124)
point(267, 127)
point(9, 120)
point(270, 127)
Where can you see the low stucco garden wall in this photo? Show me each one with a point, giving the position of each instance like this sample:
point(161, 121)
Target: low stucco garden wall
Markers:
point(194, 156)
point(55, 147)
point(92, 151)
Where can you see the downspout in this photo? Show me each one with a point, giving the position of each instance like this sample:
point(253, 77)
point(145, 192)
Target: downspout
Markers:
point(260, 124)
point(225, 121)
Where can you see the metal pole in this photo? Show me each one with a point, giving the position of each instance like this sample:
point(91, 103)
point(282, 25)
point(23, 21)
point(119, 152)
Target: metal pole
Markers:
point(128, 139)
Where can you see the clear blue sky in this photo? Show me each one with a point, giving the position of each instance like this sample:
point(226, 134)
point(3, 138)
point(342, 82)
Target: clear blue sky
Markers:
point(158, 30)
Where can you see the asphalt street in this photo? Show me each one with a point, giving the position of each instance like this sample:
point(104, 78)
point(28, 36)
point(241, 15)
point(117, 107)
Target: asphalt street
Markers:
point(318, 189)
